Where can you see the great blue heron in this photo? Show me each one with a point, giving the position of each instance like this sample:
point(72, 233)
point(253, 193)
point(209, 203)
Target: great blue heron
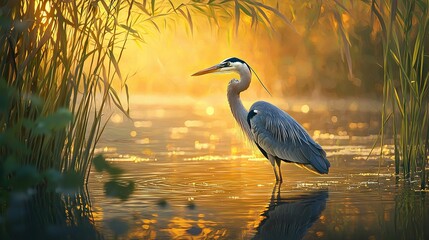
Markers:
point(277, 135)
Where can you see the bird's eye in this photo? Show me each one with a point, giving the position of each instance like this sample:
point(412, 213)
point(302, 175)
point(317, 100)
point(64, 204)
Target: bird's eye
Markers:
point(226, 64)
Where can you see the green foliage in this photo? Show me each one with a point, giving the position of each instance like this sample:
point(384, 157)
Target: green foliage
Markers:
point(114, 187)
point(119, 189)
point(406, 81)
point(57, 74)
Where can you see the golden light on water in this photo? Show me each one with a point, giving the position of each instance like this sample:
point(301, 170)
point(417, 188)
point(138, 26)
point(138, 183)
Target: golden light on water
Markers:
point(194, 123)
point(142, 124)
point(178, 132)
point(143, 141)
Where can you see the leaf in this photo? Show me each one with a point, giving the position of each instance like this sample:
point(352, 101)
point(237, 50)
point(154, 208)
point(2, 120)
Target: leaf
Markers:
point(106, 8)
point(155, 25)
point(342, 6)
point(56, 121)
point(345, 43)
point(128, 28)
point(30, 57)
point(245, 10)
point(9, 165)
point(255, 17)
point(417, 49)
point(237, 16)
point(264, 15)
point(114, 96)
point(112, 170)
point(25, 177)
point(172, 6)
point(393, 9)
point(128, 98)
point(115, 63)
point(53, 178)
point(153, 7)
point(377, 13)
point(189, 18)
point(100, 163)
point(398, 100)
point(119, 189)
point(142, 7)
point(277, 13)
point(9, 139)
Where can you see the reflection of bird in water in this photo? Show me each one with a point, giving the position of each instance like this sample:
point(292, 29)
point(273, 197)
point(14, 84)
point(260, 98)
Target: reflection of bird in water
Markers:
point(290, 218)
point(276, 133)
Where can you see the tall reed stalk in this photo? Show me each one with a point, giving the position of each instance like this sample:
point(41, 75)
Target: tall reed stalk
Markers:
point(405, 26)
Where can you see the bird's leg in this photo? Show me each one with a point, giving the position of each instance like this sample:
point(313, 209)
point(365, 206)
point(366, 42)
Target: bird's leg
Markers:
point(273, 163)
point(278, 162)
point(278, 190)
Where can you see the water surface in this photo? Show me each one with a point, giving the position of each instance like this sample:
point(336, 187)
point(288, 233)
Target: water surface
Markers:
point(196, 178)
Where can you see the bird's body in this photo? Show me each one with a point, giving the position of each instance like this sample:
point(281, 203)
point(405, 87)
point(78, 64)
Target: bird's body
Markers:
point(277, 135)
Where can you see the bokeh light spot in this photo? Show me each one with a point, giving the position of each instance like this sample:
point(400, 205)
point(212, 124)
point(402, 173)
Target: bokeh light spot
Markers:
point(305, 108)
point(117, 118)
point(210, 110)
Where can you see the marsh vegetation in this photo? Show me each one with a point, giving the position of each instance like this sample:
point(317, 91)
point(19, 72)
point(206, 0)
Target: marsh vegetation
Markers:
point(62, 82)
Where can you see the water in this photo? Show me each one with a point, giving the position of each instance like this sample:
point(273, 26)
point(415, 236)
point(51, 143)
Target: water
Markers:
point(196, 178)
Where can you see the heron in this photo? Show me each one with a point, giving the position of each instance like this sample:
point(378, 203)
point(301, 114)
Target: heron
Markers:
point(278, 136)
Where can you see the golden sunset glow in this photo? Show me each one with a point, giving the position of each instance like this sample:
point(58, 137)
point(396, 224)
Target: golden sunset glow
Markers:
point(165, 62)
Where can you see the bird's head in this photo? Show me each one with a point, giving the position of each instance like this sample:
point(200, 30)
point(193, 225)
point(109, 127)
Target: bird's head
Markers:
point(228, 65)
point(232, 65)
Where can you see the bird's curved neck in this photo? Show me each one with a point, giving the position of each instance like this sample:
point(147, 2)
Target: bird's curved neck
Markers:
point(238, 110)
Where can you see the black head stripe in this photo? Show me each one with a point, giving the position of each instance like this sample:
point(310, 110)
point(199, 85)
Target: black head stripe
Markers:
point(234, 59)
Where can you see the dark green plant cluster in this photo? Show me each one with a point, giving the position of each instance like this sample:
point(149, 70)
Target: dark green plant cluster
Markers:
point(114, 187)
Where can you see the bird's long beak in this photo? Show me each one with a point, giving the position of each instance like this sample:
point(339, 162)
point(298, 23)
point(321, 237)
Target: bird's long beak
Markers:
point(215, 68)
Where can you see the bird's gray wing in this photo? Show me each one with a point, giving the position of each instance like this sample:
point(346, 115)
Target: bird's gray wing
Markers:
point(278, 134)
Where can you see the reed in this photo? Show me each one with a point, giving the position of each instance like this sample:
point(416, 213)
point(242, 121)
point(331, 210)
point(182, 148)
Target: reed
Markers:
point(404, 28)
point(59, 65)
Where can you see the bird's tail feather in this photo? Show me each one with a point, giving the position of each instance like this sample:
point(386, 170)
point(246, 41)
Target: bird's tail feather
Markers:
point(310, 168)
